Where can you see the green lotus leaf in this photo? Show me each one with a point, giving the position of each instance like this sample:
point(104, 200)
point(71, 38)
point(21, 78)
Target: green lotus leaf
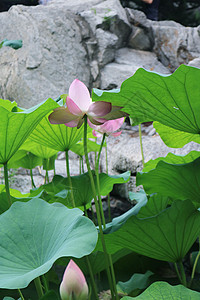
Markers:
point(137, 281)
point(38, 149)
point(117, 222)
point(163, 291)
point(156, 203)
point(167, 236)
point(171, 158)
point(56, 136)
point(59, 188)
point(169, 99)
point(17, 126)
point(35, 234)
point(91, 147)
point(29, 161)
point(175, 138)
point(7, 104)
point(176, 181)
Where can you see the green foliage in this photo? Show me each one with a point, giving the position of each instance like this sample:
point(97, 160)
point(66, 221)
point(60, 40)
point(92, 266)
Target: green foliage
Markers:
point(17, 126)
point(164, 291)
point(169, 99)
point(177, 181)
point(59, 189)
point(174, 231)
point(137, 281)
point(38, 235)
point(171, 158)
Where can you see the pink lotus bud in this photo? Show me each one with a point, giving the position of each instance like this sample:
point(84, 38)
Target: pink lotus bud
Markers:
point(73, 285)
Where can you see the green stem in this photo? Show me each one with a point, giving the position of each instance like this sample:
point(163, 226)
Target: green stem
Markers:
point(38, 286)
point(7, 183)
point(109, 210)
point(184, 281)
point(69, 178)
point(47, 176)
point(97, 208)
point(85, 211)
point(98, 182)
point(32, 180)
point(45, 283)
point(92, 278)
point(80, 162)
point(141, 146)
point(21, 295)
point(177, 272)
point(194, 268)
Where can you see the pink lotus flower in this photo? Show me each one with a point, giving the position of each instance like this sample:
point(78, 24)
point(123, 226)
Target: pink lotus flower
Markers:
point(79, 104)
point(109, 128)
point(73, 285)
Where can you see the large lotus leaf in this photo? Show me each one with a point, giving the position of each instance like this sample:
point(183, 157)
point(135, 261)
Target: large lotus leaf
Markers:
point(15, 196)
point(171, 158)
point(38, 149)
point(163, 291)
point(175, 138)
point(58, 137)
point(117, 222)
point(91, 147)
point(154, 206)
point(176, 181)
point(17, 156)
point(167, 236)
point(17, 126)
point(137, 281)
point(8, 104)
point(35, 234)
point(81, 188)
point(169, 99)
point(28, 161)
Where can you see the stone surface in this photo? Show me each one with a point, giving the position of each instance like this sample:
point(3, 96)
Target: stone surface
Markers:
point(175, 44)
point(49, 59)
point(126, 63)
point(141, 37)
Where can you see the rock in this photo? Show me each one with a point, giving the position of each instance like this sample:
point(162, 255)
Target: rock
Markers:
point(195, 63)
point(175, 44)
point(141, 37)
point(127, 61)
point(49, 59)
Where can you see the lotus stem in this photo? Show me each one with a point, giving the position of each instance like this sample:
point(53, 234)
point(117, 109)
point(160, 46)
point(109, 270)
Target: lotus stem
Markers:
point(38, 286)
point(141, 146)
point(194, 268)
point(98, 182)
point(109, 211)
point(32, 180)
point(69, 178)
point(21, 295)
point(7, 183)
point(98, 212)
point(92, 278)
point(183, 276)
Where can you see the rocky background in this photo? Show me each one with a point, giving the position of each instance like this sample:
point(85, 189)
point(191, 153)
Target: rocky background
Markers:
point(101, 43)
point(97, 41)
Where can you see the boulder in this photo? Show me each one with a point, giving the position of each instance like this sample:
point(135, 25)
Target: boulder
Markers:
point(126, 63)
point(52, 55)
point(175, 44)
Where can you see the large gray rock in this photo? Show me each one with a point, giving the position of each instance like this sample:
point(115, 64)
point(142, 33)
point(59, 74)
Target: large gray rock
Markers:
point(127, 61)
point(176, 44)
point(52, 55)
point(141, 37)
